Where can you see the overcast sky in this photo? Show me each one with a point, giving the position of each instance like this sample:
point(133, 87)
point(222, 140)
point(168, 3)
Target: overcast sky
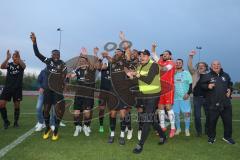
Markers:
point(177, 25)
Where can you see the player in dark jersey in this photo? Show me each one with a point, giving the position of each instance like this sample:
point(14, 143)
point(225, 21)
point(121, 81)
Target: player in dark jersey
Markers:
point(118, 80)
point(84, 98)
point(13, 87)
point(53, 94)
point(131, 65)
point(105, 85)
point(121, 85)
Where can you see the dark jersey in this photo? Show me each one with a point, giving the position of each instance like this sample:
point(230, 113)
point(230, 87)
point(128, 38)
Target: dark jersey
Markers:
point(14, 76)
point(55, 70)
point(86, 85)
point(105, 79)
point(85, 76)
point(55, 67)
point(121, 83)
point(132, 64)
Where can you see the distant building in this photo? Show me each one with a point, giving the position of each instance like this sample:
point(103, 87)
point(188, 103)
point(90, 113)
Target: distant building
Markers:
point(236, 92)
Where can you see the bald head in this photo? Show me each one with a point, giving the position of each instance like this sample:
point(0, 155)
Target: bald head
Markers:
point(216, 66)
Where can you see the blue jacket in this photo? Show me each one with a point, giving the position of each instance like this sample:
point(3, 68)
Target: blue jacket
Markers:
point(42, 79)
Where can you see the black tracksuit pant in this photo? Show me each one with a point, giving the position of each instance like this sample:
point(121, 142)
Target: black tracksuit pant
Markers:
point(226, 115)
point(149, 118)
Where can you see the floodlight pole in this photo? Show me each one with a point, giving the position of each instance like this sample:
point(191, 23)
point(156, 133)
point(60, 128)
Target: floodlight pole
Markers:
point(199, 52)
point(60, 38)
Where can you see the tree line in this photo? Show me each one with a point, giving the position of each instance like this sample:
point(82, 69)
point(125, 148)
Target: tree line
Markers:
point(30, 82)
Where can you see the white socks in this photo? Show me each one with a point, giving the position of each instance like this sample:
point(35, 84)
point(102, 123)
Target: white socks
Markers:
point(161, 115)
point(171, 118)
point(112, 134)
point(122, 134)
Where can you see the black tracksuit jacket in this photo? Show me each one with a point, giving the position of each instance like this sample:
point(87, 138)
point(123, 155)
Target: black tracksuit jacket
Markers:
point(216, 97)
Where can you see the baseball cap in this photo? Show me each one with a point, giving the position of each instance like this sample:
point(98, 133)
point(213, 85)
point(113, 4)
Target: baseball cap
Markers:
point(145, 52)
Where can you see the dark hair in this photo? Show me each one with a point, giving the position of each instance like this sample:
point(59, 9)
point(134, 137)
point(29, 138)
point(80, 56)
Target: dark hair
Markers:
point(168, 52)
point(16, 53)
point(145, 52)
point(119, 49)
point(135, 50)
point(55, 51)
point(179, 59)
point(83, 58)
point(206, 65)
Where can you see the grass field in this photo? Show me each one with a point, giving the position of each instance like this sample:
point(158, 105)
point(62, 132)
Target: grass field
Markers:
point(96, 147)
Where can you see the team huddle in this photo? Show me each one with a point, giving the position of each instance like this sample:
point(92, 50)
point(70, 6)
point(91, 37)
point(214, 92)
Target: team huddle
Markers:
point(157, 86)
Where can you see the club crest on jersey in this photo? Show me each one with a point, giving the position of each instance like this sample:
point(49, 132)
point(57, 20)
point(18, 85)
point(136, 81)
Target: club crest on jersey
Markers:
point(212, 80)
point(53, 70)
point(223, 78)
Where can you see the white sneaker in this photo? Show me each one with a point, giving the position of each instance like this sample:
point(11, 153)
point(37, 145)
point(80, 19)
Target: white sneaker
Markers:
point(77, 131)
point(178, 131)
point(126, 129)
point(187, 133)
point(139, 134)
point(89, 129)
point(129, 134)
point(52, 127)
point(85, 130)
point(62, 124)
point(39, 127)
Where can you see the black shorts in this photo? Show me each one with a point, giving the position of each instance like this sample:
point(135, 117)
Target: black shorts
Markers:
point(9, 93)
point(83, 103)
point(111, 100)
point(139, 103)
point(121, 105)
point(51, 97)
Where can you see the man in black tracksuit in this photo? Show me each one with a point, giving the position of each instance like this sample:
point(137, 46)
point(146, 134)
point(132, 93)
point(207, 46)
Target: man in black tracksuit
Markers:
point(218, 86)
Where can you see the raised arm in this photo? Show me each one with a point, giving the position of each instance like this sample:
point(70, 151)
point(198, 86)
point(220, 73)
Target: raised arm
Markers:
point(4, 65)
point(96, 62)
point(106, 55)
point(84, 53)
point(125, 45)
point(122, 36)
point(190, 62)
point(154, 53)
point(35, 48)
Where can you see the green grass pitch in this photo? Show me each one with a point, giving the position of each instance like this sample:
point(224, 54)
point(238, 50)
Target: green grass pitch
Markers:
point(96, 147)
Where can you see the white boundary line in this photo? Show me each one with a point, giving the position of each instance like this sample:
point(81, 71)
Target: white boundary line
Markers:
point(20, 139)
point(12, 145)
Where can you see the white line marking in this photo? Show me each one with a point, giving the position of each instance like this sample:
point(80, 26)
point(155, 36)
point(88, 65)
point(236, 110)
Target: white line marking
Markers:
point(12, 145)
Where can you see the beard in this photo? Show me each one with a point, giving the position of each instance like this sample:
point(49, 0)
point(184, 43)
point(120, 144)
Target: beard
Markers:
point(166, 58)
